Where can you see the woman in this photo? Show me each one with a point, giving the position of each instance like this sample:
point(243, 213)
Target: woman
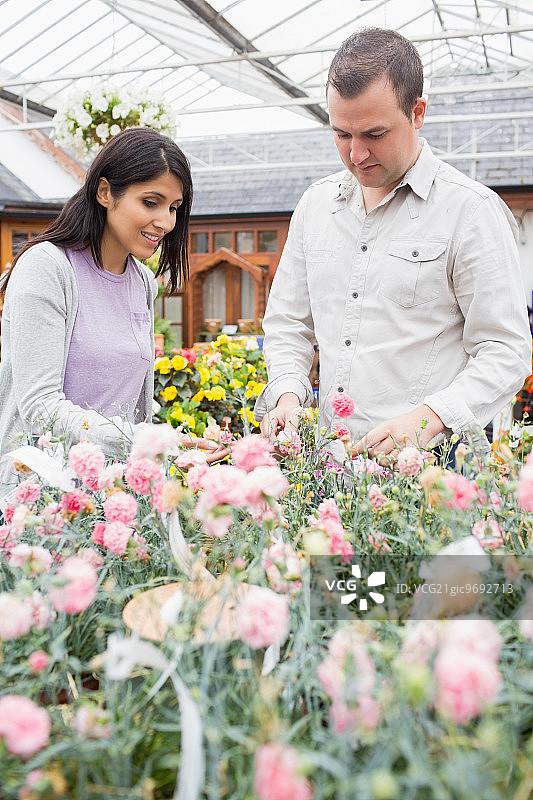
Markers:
point(77, 323)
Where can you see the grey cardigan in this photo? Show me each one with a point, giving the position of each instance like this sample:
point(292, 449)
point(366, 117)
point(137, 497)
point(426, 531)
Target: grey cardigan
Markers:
point(40, 308)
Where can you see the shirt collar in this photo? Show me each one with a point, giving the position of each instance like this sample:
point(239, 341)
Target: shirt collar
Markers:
point(422, 174)
point(419, 178)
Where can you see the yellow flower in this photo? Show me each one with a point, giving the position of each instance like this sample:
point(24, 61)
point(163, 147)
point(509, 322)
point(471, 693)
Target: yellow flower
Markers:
point(236, 384)
point(254, 388)
point(249, 415)
point(178, 362)
point(162, 365)
point(199, 396)
point(204, 375)
point(216, 393)
point(191, 422)
point(222, 339)
point(169, 393)
point(176, 413)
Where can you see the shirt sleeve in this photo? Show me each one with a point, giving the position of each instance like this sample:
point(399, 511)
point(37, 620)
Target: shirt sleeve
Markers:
point(288, 325)
point(37, 309)
point(488, 286)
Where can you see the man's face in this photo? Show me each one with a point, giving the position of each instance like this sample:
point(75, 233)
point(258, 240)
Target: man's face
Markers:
point(376, 141)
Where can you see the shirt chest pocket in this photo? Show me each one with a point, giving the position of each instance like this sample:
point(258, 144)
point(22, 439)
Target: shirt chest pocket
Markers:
point(140, 322)
point(414, 271)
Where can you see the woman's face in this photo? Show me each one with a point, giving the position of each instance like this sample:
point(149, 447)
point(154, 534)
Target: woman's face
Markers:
point(138, 220)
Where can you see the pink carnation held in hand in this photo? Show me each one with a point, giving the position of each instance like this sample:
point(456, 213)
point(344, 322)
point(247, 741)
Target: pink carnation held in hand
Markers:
point(24, 726)
point(262, 617)
point(277, 775)
point(342, 404)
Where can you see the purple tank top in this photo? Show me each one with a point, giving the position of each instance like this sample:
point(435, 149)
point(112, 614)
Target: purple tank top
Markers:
point(110, 349)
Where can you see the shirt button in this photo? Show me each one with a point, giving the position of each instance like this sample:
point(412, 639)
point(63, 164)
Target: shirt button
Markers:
point(364, 248)
point(340, 388)
point(415, 253)
point(355, 294)
point(348, 342)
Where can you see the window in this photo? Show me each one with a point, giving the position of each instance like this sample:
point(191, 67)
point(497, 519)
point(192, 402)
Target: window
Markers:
point(223, 239)
point(200, 243)
point(268, 241)
point(18, 240)
point(247, 296)
point(214, 295)
point(245, 242)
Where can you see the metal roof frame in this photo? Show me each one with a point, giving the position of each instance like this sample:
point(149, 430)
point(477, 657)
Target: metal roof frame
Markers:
point(216, 56)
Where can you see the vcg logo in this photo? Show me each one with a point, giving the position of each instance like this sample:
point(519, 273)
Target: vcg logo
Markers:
point(348, 587)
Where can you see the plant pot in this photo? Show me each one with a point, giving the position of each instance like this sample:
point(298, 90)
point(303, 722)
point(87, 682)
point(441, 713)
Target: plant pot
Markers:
point(245, 325)
point(213, 325)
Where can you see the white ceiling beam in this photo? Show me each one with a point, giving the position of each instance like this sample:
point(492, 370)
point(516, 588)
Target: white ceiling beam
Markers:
point(199, 62)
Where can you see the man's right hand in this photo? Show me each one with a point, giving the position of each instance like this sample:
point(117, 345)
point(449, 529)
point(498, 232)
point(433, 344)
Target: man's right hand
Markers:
point(282, 417)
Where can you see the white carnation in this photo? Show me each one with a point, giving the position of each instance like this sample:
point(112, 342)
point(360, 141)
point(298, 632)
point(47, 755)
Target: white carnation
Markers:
point(102, 131)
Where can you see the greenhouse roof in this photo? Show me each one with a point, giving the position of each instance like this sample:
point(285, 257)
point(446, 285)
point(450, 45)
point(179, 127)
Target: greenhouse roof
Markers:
point(246, 65)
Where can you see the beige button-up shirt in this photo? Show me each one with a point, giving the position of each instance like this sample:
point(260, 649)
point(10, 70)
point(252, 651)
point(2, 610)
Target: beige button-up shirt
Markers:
point(419, 301)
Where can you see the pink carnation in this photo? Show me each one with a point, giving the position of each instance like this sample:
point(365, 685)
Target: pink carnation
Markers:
point(91, 556)
point(116, 537)
point(277, 774)
point(38, 660)
point(196, 475)
point(489, 533)
point(120, 507)
point(154, 441)
point(341, 430)
point(410, 461)
point(141, 473)
point(342, 404)
point(27, 492)
point(463, 491)
point(262, 617)
point(24, 725)
point(264, 482)
point(111, 474)
point(16, 616)
point(75, 502)
point(79, 585)
point(42, 612)
point(34, 559)
point(282, 566)
point(252, 451)
point(376, 496)
point(225, 485)
point(86, 459)
point(466, 683)
point(98, 532)
point(524, 492)
point(328, 509)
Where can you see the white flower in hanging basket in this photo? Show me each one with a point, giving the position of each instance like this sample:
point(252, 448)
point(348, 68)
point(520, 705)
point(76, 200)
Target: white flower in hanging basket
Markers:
point(91, 116)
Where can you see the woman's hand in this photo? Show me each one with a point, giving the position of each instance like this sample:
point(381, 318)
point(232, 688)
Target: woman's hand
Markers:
point(214, 451)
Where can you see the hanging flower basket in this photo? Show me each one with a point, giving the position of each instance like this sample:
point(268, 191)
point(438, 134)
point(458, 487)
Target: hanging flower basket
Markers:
point(91, 117)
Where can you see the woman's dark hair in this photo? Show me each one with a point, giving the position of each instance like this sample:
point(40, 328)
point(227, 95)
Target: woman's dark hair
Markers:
point(133, 156)
point(372, 53)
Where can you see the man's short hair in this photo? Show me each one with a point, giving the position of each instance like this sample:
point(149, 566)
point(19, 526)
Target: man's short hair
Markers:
point(373, 53)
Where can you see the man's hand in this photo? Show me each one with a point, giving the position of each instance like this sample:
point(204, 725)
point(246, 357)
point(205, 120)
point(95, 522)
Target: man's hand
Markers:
point(417, 428)
point(281, 418)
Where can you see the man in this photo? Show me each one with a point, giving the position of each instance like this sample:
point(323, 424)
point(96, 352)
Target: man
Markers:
point(402, 269)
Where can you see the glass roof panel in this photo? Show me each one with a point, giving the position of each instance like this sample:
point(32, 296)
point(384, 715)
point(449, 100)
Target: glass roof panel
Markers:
point(245, 65)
